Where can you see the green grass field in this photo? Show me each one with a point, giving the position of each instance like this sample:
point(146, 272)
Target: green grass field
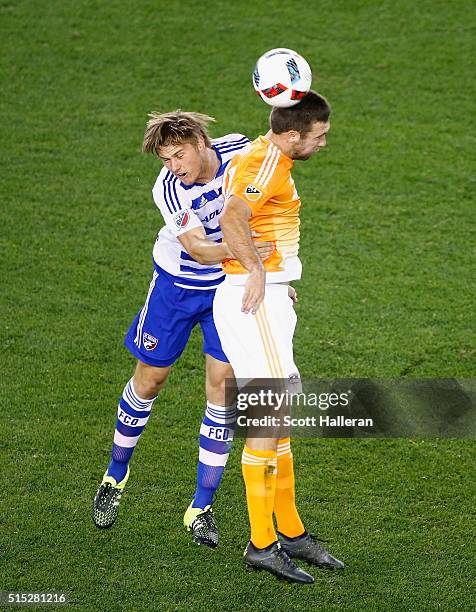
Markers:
point(387, 291)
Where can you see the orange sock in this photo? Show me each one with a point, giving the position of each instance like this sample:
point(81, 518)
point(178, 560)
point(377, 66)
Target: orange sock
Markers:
point(259, 473)
point(287, 516)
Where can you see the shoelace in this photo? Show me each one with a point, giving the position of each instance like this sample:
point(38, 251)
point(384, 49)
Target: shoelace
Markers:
point(105, 493)
point(313, 537)
point(281, 554)
point(205, 519)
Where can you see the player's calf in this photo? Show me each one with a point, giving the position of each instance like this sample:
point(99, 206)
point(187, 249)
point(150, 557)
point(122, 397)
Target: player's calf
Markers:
point(132, 415)
point(216, 436)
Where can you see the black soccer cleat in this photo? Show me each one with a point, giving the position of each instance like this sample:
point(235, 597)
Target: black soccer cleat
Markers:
point(306, 548)
point(202, 525)
point(274, 559)
point(106, 501)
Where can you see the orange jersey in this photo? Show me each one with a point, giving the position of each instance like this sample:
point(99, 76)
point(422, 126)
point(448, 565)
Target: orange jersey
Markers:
point(260, 174)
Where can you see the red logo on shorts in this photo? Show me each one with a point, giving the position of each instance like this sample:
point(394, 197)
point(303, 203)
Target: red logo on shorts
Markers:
point(149, 342)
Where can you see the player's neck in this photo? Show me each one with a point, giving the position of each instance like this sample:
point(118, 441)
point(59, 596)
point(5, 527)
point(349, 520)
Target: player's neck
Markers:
point(210, 166)
point(280, 141)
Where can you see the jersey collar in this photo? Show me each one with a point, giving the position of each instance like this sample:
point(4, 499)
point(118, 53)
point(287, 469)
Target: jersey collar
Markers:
point(268, 141)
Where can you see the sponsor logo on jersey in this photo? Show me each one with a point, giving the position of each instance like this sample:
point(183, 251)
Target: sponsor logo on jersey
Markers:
point(212, 215)
point(182, 219)
point(150, 342)
point(252, 193)
point(203, 199)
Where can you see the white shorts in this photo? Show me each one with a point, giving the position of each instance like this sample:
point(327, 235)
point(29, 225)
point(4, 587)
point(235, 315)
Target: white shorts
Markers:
point(260, 345)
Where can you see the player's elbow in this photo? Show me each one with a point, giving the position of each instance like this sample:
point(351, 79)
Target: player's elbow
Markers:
point(196, 253)
point(199, 258)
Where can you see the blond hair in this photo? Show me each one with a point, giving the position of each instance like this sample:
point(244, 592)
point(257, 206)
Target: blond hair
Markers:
point(164, 129)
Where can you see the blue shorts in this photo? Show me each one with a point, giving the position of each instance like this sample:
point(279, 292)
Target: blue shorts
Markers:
point(163, 326)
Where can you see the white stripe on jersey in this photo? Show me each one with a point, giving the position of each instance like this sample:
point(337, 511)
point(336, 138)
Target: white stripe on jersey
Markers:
point(207, 288)
point(274, 163)
point(264, 163)
point(268, 166)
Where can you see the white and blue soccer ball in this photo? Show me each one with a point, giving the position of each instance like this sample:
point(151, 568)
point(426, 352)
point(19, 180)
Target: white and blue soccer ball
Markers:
point(282, 77)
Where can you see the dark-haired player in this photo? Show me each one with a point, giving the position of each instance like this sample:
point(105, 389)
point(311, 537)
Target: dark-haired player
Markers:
point(256, 320)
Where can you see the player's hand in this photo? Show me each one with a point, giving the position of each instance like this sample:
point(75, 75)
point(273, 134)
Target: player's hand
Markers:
point(254, 291)
point(292, 294)
point(265, 249)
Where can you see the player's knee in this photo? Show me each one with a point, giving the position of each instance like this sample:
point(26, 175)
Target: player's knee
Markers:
point(216, 386)
point(219, 384)
point(148, 381)
point(262, 444)
point(219, 392)
point(149, 388)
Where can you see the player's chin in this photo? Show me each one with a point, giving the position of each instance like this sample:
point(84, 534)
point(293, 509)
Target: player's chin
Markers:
point(185, 178)
point(309, 155)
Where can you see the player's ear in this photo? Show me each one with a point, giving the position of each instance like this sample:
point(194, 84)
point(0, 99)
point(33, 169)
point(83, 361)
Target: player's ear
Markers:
point(201, 143)
point(294, 136)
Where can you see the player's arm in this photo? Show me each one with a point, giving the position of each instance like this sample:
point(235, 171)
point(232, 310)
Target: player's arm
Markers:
point(234, 223)
point(206, 251)
point(185, 225)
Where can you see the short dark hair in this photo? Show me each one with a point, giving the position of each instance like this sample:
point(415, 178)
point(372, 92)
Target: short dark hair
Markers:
point(301, 117)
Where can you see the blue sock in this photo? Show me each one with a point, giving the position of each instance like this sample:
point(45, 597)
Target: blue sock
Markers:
point(132, 416)
point(216, 437)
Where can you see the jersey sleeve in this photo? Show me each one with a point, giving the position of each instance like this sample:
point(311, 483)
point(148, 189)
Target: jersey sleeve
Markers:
point(176, 210)
point(256, 179)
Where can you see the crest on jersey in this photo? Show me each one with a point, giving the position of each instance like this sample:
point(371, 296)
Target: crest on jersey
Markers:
point(182, 219)
point(252, 193)
point(149, 341)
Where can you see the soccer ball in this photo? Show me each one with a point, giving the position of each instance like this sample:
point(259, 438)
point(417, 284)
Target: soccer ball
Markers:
point(282, 77)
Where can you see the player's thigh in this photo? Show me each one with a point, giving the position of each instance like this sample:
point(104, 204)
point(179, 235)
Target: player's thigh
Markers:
point(161, 329)
point(259, 346)
point(211, 340)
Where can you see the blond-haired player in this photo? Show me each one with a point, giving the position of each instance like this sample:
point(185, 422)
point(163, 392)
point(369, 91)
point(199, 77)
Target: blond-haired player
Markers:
point(187, 259)
point(255, 319)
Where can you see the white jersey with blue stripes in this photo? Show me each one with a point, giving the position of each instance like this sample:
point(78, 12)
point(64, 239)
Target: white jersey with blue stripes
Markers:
point(185, 207)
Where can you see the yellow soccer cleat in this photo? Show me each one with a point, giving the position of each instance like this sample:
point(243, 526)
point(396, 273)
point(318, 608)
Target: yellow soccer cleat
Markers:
point(107, 499)
point(202, 524)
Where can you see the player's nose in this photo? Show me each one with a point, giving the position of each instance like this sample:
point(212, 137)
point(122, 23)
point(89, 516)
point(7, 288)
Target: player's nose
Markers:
point(175, 165)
